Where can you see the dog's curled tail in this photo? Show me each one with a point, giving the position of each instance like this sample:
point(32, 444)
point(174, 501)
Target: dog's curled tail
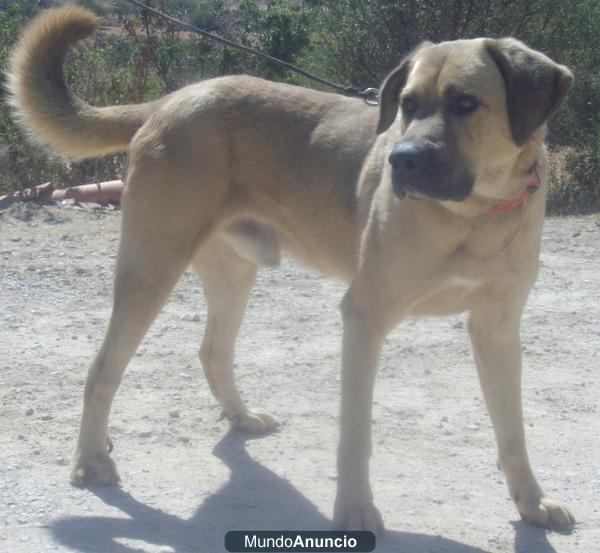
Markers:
point(43, 104)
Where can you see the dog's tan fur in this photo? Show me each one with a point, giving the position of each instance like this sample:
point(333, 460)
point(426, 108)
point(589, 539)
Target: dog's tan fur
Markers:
point(226, 173)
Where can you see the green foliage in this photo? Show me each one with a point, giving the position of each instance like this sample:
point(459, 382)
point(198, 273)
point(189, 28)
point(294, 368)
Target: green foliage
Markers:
point(360, 41)
point(21, 165)
point(207, 16)
point(357, 42)
point(93, 6)
point(574, 181)
point(281, 30)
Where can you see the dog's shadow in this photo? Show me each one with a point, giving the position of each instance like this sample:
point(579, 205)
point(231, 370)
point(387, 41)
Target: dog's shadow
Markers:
point(253, 498)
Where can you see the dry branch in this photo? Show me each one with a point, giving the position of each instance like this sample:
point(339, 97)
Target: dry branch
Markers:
point(100, 192)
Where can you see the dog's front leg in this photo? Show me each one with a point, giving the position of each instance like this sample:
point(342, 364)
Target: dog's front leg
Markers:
point(363, 338)
point(494, 331)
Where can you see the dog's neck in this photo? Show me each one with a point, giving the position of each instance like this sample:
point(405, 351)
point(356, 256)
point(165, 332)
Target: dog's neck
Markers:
point(525, 178)
point(532, 185)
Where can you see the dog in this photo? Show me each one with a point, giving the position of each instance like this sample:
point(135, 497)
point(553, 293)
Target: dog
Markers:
point(425, 207)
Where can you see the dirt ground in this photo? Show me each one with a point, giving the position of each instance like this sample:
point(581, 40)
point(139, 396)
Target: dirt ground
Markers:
point(187, 481)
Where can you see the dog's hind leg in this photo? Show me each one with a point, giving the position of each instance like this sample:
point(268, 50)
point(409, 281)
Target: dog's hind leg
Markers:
point(227, 279)
point(159, 233)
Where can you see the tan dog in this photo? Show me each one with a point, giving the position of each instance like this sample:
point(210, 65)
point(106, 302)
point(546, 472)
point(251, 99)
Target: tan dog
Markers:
point(433, 216)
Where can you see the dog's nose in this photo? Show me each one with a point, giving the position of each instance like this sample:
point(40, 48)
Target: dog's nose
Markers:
point(407, 157)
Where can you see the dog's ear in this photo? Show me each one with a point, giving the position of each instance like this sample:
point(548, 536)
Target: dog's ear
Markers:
point(390, 90)
point(535, 85)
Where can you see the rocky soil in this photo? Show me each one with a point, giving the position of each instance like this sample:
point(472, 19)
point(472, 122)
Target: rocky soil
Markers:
point(187, 480)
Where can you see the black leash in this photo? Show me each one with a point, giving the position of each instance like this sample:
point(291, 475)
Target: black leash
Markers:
point(369, 95)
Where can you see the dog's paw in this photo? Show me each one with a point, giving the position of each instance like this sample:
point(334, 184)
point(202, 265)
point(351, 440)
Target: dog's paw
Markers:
point(358, 516)
point(95, 470)
point(547, 513)
point(254, 421)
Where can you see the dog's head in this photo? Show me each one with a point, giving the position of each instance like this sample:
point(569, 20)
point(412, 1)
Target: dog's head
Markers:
point(457, 114)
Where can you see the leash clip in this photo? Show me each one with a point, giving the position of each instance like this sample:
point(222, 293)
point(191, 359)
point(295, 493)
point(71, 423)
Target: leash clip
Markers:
point(371, 96)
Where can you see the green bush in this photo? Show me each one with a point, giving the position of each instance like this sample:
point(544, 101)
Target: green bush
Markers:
point(147, 58)
point(349, 41)
point(360, 41)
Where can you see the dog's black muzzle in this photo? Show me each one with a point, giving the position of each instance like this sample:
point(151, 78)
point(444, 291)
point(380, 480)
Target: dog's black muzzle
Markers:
point(423, 168)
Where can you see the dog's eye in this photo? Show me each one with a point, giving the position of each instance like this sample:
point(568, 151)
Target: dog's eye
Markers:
point(464, 105)
point(409, 106)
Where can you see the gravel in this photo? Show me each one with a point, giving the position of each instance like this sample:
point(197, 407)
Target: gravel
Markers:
point(187, 480)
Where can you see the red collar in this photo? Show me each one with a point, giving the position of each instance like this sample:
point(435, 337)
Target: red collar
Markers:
point(531, 186)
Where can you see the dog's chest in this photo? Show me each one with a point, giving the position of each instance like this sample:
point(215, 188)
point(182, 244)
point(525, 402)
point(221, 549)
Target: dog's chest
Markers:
point(454, 294)
point(458, 283)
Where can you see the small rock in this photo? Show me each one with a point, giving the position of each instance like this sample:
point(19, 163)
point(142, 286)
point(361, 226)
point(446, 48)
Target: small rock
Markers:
point(191, 317)
point(576, 234)
point(174, 414)
point(29, 412)
point(184, 439)
point(61, 461)
point(458, 324)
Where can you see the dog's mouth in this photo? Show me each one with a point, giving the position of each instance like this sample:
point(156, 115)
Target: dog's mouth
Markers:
point(408, 193)
point(456, 189)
